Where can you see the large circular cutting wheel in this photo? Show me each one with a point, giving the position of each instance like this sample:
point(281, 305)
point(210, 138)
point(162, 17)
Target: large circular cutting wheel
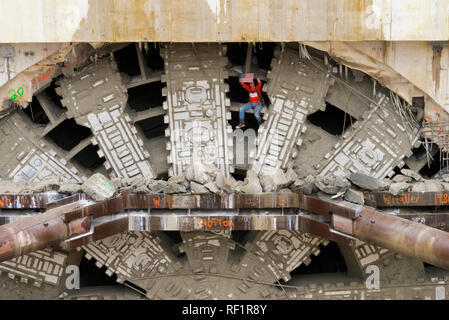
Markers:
point(97, 118)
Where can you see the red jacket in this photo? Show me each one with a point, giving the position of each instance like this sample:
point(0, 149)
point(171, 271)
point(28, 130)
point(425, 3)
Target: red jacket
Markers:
point(256, 95)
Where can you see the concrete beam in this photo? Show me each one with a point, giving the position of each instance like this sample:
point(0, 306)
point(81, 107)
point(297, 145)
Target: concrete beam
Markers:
point(222, 20)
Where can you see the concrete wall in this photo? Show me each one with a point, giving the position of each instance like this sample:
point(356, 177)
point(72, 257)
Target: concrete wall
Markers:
point(222, 20)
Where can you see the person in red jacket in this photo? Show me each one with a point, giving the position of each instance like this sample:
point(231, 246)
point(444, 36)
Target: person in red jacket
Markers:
point(255, 102)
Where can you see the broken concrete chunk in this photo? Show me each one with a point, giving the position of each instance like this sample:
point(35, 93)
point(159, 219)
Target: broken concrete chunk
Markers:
point(174, 188)
point(305, 188)
point(212, 187)
point(181, 179)
point(306, 185)
point(402, 178)
point(310, 179)
point(445, 186)
point(225, 184)
point(290, 176)
point(341, 182)
point(427, 186)
point(142, 189)
point(267, 183)
point(354, 196)
point(309, 186)
point(47, 184)
point(273, 181)
point(299, 182)
point(157, 186)
point(238, 186)
point(251, 183)
point(364, 181)
point(412, 174)
point(70, 188)
point(418, 187)
point(285, 190)
point(200, 172)
point(332, 185)
point(117, 181)
point(177, 179)
point(398, 187)
point(276, 180)
point(198, 188)
point(388, 183)
point(98, 187)
point(133, 182)
point(434, 185)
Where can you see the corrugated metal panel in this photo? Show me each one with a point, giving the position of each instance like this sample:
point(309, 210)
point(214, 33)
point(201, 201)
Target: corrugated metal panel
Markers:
point(222, 20)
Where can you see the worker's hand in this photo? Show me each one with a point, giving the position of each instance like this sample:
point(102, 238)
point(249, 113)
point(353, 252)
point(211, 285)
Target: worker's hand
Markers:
point(258, 80)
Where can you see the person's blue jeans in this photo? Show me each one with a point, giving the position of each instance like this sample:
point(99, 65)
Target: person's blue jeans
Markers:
point(251, 105)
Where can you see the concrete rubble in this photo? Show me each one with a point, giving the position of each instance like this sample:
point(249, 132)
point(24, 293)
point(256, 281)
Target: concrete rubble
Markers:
point(157, 186)
point(332, 185)
point(70, 188)
point(212, 187)
point(399, 187)
point(412, 174)
point(427, 186)
point(252, 183)
point(197, 188)
point(181, 179)
point(48, 184)
point(200, 172)
point(199, 178)
point(98, 187)
point(366, 182)
point(354, 196)
point(175, 188)
point(445, 186)
point(277, 179)
point(142, 189)
point(402, 178)
point(306, 185)
point(225, 184)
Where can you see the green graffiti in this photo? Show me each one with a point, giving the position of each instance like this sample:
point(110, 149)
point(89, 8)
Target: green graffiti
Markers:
point(14, 95)
point(108, 184)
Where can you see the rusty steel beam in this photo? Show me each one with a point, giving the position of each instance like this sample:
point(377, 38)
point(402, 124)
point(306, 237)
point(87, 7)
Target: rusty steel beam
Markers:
point(29, 201)
point(403, 236)
point(237, 201)
point(378, 199)
point(439, 220)
point(70, 220)
point(142, 221)
point(39, 231)
point(128, 200)
point(382, 199)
